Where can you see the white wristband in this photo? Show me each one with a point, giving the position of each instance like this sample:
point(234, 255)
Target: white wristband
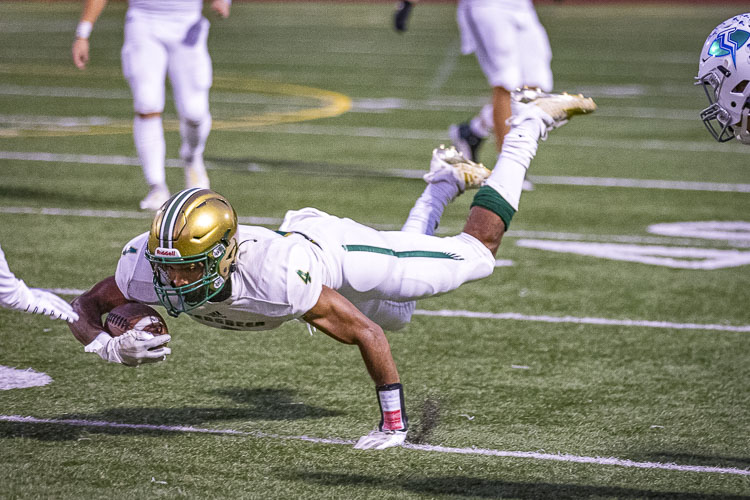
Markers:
point(83, 30)
point(98, 343)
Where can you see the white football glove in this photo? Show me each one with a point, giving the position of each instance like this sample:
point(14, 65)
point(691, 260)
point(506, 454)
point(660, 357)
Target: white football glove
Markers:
point(15, 294)
point(380, 440)
point(49, 304)
point(132, 348)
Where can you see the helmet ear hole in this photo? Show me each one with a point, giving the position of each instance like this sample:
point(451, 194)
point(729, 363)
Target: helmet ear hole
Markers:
point(739, 88)
point(226, 263)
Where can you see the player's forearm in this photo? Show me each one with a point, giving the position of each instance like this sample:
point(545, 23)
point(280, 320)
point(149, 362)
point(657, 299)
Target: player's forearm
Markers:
point(89, 324)
point(92, 9)
point(102, 298)
point(338, 318)
point(376, 353)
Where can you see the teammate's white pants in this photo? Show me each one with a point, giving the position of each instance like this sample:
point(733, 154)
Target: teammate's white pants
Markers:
point(156, 45)
point(511, 45)
point(384, 272)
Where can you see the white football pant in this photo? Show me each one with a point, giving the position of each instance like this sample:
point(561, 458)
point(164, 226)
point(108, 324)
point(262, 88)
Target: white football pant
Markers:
point(384, 272)
point(510, 43)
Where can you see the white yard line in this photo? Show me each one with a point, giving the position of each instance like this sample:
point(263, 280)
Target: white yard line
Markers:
point(617, 182)
point(543, 318)
point(448, 313)
point(446, 67)
point(563, 457)
point(118, 214)
point(703, 146)
point(641, 183)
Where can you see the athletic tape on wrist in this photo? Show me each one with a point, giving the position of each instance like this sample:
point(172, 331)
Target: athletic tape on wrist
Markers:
point(392, 408)
point(83, 30)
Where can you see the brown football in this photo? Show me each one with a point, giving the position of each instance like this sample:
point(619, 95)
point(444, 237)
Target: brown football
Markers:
point(134, 315)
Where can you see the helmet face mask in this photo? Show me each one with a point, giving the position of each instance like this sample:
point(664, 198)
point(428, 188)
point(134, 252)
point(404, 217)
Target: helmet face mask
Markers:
point(716, 119)
point(191, 249)
point(724, 73)
point(183, 298)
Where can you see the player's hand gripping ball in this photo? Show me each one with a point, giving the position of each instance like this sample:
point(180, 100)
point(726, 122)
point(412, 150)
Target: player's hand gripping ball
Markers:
point(135, 316)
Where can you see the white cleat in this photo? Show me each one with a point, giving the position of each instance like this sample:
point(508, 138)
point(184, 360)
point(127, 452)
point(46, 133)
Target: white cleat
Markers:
point(195, 174)
point(155, 198)
point(557, 108)
point(450, 163)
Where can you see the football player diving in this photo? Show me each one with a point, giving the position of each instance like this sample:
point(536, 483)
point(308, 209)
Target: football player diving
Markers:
point(724, 72)
point(343, 278)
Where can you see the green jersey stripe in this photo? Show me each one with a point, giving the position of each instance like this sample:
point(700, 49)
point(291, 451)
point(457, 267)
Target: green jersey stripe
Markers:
point(402, 255)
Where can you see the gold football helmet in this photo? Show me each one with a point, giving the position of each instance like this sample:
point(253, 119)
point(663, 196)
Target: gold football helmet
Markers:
point(193, 234)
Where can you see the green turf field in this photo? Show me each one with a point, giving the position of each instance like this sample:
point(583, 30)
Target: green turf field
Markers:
point(607, 357)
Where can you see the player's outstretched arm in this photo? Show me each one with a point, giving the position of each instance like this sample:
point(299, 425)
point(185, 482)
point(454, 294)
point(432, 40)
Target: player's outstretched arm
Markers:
point(92, 9)
point(15, 294)
point(337, 317)
point(132, 348)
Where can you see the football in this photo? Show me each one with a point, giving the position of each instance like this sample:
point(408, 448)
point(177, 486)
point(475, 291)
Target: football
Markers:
point(134, 315)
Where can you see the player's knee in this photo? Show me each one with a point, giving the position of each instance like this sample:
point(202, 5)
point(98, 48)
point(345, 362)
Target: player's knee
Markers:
point(146, 116)
point(389, 315)
point(148, 106)
point(194, 111)
point(394, 323)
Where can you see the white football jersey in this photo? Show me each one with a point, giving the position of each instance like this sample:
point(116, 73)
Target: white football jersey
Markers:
point(167, 6)
point(506, 4)
point(276, 279)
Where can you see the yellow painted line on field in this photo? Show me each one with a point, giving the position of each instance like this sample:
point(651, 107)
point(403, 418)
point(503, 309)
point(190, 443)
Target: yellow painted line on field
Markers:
point(331, 103)
point(326, 104)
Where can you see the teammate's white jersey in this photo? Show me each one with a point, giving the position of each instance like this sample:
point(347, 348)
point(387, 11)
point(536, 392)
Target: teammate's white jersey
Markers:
point(278, 277)
point(507, 4)
point(167, 6)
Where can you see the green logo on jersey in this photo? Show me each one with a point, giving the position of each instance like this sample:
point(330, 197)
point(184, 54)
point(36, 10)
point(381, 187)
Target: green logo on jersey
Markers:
point(304, 276)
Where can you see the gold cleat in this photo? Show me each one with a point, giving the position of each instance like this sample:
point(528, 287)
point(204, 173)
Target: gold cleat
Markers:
point(560, 107)
point(450, 161)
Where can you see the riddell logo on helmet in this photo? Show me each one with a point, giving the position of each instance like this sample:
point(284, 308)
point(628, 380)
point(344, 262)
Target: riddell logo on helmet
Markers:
point(167, 252)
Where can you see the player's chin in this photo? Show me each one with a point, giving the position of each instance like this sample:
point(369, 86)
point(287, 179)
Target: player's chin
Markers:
point(195, 297)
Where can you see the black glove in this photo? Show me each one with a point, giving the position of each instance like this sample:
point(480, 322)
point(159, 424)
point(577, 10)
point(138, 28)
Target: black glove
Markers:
point(403, 10)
